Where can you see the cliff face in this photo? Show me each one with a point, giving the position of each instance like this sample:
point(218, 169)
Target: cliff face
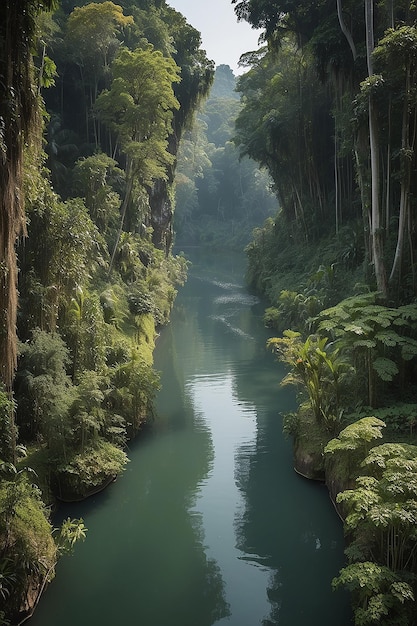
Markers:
point(161, 211)
point(308, 462)
point(308, 445)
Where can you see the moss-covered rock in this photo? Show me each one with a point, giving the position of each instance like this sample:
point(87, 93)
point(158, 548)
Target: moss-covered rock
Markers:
point(88, 472)
point(309, 442)
point(27, 548)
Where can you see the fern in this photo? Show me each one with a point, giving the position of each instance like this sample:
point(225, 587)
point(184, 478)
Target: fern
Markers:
point(385, 368)
point(365, 343)
point(355, 328)
point(388, 338)
point(408, 311)
point(408, 348)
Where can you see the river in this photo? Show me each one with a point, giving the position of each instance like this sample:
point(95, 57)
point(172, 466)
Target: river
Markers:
point(209, 525)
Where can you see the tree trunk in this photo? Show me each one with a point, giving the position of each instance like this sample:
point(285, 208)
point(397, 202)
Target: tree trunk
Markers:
point(345, 30)
point(161, 215)
point(376, 225)
point(405, 185)
point(126, 201)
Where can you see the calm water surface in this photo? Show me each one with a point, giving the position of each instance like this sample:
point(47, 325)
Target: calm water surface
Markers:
point(209, 524)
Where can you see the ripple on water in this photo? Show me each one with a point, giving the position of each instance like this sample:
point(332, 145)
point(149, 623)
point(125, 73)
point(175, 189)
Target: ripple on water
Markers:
point(242, 299)
point(231, 327)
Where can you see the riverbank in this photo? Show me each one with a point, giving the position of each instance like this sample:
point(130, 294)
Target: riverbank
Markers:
point(209, 514)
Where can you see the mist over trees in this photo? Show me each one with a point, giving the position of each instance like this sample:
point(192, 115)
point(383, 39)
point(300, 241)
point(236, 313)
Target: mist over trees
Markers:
point(220, 197)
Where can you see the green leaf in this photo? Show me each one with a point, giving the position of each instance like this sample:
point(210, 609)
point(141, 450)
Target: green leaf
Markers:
point(385, 368)
point(364, 343)
point(355, 435)
point(402, 591)
point(408, 349)
point(388, 338)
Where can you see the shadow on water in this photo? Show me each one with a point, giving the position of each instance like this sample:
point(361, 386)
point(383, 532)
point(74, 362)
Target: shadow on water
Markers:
point(209, 525)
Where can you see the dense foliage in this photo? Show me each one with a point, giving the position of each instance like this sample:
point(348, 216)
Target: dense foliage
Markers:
point(111, 88)
point(329, 109)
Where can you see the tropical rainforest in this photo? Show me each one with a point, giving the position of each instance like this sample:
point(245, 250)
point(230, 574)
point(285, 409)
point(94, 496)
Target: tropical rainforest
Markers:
point(221, 195)
point(94, 99)
point(98, 146)
point(329, 108)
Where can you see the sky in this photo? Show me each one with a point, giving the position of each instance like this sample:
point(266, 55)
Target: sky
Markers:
point(224, 38)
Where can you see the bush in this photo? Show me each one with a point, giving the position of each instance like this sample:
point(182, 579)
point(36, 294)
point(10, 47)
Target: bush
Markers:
point(85, 473)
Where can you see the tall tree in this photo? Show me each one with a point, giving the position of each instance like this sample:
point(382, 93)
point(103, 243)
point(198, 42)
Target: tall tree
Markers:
point(138, 108)
point(92, 37)
point(18, 123)
point(196, 76)
point(396, 55)
point(284, 125)
point(375, 214)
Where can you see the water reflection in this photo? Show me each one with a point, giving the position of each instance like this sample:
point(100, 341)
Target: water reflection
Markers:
point(209, 525)
point(284, 530)
point(220, 501)
point(144, 560)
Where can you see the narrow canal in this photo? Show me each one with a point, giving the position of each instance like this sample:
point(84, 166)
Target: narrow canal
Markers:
point(209, 524)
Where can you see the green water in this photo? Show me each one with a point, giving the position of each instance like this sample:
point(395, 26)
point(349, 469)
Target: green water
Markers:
point(209, 524)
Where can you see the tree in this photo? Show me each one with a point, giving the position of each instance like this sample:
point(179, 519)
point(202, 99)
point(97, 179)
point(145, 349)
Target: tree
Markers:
point(92, 38)
point(196, 76)
point(375, 214)
point(283, 125)
point(381, 595)
point(318, 368)
point(278, 17)
point(396, 56)
point(382, 515)
point(341, 67)
point(85, 333)
point(150, 26)
point(352, 445)
point(18, 125)
point(395, 513)
point(96, 177)
point(44, 392)
point(135, 384)
point(87, 412)
point(61, 256)
point(138, 108)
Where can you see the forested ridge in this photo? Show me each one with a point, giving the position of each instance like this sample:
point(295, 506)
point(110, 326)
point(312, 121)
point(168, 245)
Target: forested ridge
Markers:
point(94, 99)
point(329, 108)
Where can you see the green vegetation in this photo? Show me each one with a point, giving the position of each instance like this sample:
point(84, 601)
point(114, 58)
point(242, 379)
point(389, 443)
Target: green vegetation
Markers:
point(220, 197)
point(28, 548)
point(94, 98)
point(328, 109)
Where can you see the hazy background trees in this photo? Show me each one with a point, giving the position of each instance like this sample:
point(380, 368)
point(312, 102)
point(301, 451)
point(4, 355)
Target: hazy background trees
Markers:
point(220, 197)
